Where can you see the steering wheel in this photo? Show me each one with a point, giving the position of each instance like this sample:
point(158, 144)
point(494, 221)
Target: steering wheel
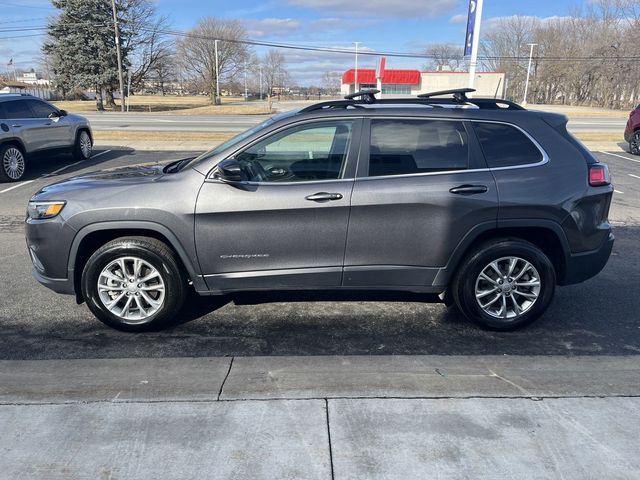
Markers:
point(256, 171)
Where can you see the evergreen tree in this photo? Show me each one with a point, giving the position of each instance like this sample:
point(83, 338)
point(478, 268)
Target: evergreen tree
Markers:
point(81, 45)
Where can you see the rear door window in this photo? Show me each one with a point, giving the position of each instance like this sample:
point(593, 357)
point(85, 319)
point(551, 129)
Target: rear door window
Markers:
point(17, 109)
point(506, 146)
point(400, 147)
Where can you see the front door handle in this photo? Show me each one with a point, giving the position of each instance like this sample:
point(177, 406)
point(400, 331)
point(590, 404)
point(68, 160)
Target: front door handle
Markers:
point(16, 126)
point(469, 189)
point(323, 197)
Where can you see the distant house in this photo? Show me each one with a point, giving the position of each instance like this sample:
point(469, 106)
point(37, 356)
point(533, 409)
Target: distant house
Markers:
point(10, 86)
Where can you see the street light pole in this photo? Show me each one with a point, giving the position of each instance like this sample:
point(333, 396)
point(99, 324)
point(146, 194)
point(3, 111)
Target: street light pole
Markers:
point(526, 83)
point(119, 55)
point(260, 82)
point(355, 80)
point(215, 48)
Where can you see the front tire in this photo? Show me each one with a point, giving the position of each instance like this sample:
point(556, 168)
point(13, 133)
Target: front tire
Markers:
point(83, 147)
point(12, 163)
point(134, 284)
point(505, 284)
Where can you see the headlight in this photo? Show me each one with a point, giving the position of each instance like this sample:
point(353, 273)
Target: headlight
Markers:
point(42, 210)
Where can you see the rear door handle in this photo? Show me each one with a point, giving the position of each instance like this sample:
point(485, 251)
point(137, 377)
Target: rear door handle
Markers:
point(469, 189)
point(323, 197)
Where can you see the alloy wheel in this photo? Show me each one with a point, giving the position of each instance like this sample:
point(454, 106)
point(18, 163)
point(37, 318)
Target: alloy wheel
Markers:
point(13, 163)
point(85, 144)
point(507, 287)
point(131, 289)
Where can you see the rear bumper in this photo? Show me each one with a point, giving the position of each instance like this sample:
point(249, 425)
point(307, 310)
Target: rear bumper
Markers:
point(582, 266)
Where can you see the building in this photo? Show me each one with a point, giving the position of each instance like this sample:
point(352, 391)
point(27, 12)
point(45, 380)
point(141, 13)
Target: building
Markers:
point(396, 83)
point(7, 86)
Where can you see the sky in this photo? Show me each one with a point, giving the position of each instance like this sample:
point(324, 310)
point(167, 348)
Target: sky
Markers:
point(391, 25)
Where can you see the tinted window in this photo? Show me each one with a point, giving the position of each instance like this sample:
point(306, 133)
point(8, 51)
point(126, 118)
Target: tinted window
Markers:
point(307, 152)
point(41, 109)
point(17, 109)
point(417, 146)
point(505, 146)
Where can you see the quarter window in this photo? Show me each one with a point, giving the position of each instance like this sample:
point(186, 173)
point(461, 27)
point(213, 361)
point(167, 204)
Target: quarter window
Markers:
point(400, 147)
point(506, 146)
point(307, 152)
point(17, 109)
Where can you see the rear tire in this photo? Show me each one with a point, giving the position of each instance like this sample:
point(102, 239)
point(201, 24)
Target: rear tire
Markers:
point(504, 284)
point(13, 164)
point(634, 143)
point(134, 284)
point(83, 147)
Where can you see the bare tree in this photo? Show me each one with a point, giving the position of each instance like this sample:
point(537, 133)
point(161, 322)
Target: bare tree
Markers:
point(274, 71)
point(197, 51)
point(331, 82)
point(445, 55)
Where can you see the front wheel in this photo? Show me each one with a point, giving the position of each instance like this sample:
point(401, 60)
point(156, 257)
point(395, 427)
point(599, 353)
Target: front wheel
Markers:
point(83, 146)
point(13, 163)
point(505, 284)
point(134, 284)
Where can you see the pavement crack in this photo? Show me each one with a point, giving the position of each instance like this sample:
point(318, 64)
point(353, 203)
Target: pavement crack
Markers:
point(326, 407)
point(513, 384)
point(225, 378)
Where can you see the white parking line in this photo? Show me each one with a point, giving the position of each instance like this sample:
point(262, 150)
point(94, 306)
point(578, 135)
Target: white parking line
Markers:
point(16, 186)
point(634, 176)
point(621, 156)
point(61, 169)
point(98, 154)
point(618, 191)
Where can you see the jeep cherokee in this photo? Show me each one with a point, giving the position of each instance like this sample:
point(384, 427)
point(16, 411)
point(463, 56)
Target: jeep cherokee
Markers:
point(480, 201)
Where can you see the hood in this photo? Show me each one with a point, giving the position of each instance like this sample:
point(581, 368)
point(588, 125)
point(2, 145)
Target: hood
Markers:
point(120, 177)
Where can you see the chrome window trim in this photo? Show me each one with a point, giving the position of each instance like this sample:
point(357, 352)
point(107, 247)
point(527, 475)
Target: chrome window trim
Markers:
point(545, 156)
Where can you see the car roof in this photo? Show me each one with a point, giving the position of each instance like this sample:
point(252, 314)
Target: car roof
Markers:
point(14, 96)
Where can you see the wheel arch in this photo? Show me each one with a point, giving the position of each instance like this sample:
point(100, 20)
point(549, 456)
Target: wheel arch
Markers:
point(547, 235)
point(93, 236)
point(13, 141)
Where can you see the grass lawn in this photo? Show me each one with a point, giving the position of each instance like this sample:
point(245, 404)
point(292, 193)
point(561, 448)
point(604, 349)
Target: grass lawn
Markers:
point(192, 105)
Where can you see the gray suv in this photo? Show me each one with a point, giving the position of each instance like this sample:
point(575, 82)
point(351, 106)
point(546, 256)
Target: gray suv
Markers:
point(478, 201)
point(31, 126)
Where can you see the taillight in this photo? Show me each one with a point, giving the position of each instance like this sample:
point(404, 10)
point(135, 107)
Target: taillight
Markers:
point(599, 175)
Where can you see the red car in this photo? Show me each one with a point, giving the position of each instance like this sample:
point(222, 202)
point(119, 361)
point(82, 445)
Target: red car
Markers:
point(632, 131)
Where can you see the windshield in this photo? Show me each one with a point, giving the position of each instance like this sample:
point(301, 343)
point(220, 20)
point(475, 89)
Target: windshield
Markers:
point(234, 140)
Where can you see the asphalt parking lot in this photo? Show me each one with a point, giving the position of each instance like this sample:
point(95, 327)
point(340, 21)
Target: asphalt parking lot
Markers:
point(598, 317)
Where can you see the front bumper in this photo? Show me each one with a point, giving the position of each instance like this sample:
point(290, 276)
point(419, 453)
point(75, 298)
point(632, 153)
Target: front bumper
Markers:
point(582, 266)
point(58, 285)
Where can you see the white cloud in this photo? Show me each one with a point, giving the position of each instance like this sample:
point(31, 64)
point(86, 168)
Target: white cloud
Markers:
point(456, 19)
point(272, 27)
point(381, 8)
point(492, 23)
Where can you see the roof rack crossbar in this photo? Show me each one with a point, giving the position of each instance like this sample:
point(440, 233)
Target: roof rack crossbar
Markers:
point(428, 99)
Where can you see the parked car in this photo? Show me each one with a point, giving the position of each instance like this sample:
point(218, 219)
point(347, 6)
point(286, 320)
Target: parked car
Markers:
point(477, 200)
point(31, 126)
point(632, 131)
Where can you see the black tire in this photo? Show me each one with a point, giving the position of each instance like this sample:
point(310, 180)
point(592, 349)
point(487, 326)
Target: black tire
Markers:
point(13, 163)
point(158, 255)
point(464, 283)
point(80, 152)
point(634, 143)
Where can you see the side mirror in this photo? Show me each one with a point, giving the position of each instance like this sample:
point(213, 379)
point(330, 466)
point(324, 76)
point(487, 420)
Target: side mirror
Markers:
point(229, 171)
point(63, 113)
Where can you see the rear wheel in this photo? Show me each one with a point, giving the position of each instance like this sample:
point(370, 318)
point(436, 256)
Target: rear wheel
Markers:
point(13, 163)
point(134, 284)
point(505, 284)
point(634, 144)
point(83, 146)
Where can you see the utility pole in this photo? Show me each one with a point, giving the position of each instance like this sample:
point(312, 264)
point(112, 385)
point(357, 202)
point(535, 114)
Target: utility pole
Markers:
point(120, 78)
point(260, 82)
point(246, 97)
point(215, 47)
point(526, 83)
point(355, 80)
point(475, 8)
